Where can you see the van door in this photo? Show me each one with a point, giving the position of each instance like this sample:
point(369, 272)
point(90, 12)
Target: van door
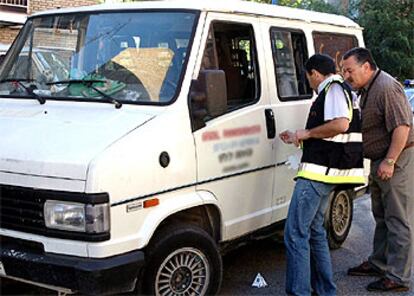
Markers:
point(287, 52)
point(234, 150)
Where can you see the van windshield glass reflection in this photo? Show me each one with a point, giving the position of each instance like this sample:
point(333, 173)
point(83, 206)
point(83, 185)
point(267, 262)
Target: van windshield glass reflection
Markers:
point(130, 56)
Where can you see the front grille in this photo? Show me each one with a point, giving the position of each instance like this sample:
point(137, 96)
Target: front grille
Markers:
point(21, 209)
point(22, 245)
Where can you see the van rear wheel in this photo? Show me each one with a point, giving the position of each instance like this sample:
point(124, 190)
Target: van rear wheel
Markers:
point(338, 217)
point(182, 260)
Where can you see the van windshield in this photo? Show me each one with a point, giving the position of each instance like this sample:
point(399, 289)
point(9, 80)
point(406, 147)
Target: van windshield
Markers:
point(134, 57)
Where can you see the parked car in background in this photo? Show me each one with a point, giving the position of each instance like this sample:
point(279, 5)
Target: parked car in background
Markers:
point(409, 92)
point(410, 96)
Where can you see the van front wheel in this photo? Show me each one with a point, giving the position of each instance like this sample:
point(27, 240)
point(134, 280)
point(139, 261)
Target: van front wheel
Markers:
point(338, 217)
point(183, 260)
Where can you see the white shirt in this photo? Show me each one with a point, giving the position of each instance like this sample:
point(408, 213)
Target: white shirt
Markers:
point(335, 100)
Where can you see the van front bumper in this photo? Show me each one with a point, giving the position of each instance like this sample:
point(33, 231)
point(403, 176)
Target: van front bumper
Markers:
point(85, 275)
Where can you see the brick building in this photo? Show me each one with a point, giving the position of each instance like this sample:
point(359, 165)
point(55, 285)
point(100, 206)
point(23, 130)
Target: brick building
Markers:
point(13, 13)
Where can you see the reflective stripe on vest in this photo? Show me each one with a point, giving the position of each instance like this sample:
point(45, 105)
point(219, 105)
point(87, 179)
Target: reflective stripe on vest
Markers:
point(330, 167)
point(345, 138)
point(348, 99)
point(330, 175)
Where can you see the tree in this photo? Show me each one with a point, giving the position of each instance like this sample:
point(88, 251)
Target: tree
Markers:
point(388, 29)
point(389, 34)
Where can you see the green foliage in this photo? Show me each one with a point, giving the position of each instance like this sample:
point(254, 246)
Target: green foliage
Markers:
point(388, 29)
point(389, 34)
point(321, 6)
point(262, 1)
point(292, 3)
point(316, 5)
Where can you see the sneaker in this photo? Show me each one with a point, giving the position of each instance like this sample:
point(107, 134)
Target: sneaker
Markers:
point(364, 269)
point(386, 285)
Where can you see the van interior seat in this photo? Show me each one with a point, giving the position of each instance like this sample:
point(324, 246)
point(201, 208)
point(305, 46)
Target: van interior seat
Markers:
point(235, 81)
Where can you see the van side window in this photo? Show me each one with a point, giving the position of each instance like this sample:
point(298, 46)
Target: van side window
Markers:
point(230, 47)
point(333, 44)
point(210, 61)
point(289, 56)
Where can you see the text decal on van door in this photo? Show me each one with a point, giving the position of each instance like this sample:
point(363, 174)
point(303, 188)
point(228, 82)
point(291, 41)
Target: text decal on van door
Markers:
point(231, 133)
point(234, 146)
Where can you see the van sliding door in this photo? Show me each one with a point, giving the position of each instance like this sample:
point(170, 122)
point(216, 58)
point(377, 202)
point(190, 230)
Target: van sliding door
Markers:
point(286, 51)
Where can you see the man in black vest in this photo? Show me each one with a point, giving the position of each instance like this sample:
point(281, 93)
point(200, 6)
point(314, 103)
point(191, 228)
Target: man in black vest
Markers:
point(332, 155)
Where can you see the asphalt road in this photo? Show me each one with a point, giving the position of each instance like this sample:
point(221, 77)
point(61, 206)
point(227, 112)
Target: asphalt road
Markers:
point(267, 257)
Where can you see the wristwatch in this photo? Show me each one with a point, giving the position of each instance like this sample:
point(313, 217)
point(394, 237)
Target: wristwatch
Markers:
point(389, 161)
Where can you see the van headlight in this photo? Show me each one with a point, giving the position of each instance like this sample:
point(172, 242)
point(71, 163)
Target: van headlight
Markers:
point(73, 216)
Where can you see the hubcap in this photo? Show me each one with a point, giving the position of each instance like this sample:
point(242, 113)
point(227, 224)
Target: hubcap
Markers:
point(185, 272)
point(341, 214)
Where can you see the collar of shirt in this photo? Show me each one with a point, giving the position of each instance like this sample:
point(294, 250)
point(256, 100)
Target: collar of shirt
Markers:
point(363, 92)
point(324, 83)
point(366, 87)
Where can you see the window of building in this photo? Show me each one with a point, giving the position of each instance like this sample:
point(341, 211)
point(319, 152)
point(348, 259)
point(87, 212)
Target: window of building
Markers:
point(289, 57)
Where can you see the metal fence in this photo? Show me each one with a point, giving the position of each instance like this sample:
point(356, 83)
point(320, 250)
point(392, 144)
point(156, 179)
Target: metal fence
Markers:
point(15, 3)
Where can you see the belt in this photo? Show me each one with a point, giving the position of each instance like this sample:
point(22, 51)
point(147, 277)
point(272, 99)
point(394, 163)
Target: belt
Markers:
point(409, 145)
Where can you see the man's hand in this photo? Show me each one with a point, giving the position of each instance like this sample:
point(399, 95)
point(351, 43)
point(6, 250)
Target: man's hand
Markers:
point(302, 134)
point(294, 138)
point(289, 137)
point(385, 171)
point(398, 141)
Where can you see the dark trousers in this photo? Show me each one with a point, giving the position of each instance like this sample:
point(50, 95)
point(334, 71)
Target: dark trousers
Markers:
point(393, 210)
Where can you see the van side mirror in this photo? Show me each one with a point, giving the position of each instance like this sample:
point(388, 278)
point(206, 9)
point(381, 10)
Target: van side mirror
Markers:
point(208, 97)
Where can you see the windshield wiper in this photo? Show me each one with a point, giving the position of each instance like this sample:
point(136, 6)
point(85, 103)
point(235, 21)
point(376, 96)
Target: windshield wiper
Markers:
point(29, 89)
point(88, 83)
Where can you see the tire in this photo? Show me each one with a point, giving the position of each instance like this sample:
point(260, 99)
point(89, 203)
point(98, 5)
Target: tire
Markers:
point(338, 217)
point(182, 259)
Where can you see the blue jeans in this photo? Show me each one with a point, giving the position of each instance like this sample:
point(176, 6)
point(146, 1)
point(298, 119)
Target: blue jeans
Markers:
point(307, 251)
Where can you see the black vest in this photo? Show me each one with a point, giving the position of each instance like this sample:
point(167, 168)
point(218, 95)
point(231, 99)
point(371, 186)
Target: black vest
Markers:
point(336, 160)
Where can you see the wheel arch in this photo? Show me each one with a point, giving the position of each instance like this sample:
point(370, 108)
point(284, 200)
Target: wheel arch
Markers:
point(205, 216)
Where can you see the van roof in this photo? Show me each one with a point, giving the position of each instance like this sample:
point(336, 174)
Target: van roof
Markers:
point(233, 6)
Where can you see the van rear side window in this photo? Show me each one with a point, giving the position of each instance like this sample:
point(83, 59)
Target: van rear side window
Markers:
point(289, 56)
point(334, 45)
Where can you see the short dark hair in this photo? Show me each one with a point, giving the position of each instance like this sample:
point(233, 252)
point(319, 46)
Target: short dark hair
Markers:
point(361, 55)
point(322, 63)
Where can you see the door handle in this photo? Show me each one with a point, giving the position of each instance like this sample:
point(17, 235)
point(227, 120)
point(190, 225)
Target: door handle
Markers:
point(270, 123)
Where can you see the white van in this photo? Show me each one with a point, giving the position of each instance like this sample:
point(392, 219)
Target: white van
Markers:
point(150, 147)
